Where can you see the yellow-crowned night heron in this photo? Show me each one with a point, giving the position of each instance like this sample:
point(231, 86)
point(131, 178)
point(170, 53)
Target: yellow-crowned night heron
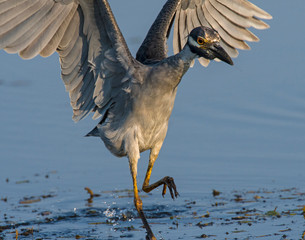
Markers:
point(133, 97)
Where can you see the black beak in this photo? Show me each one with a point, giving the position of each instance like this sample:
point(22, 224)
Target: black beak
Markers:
point(221, 54)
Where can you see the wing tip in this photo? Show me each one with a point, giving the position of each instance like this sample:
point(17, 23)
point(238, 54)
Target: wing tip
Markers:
point(267, 17)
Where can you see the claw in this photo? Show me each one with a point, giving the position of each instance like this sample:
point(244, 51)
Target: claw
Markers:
point(170, 183)
point(166, 182)
point(164, 190)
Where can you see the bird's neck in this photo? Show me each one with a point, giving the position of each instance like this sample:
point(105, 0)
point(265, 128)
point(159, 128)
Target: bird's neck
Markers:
point(170, 70)
point(187, 56)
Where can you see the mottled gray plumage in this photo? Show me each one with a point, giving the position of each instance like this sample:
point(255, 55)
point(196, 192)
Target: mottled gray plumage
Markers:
point(134, 97)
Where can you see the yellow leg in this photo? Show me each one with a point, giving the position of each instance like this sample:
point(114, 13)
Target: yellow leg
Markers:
point(137, 199)
point(166, 181)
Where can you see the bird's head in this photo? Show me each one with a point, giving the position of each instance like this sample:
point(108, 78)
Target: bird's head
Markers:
point(204, 42)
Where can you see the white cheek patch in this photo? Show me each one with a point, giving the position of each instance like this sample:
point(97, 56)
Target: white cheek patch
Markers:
point(194, 43)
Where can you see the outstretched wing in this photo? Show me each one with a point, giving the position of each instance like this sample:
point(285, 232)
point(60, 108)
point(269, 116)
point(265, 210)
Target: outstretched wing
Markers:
point(231, 18)
point(95, 61)
point(154, 46)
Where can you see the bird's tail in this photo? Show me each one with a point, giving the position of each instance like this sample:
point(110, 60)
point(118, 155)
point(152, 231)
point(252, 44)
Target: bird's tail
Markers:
point(93, 133)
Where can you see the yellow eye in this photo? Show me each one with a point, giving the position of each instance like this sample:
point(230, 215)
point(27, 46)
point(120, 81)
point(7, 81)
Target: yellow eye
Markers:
point(200, 40)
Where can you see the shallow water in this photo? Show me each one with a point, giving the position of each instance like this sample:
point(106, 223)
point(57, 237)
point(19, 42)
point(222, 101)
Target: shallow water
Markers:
point(239, 130)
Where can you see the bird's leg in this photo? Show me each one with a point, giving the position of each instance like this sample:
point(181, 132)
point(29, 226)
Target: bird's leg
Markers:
point(137, 199)
point(166, 181)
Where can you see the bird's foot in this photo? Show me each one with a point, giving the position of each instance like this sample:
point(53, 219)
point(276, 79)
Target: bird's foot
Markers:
point(170, 183)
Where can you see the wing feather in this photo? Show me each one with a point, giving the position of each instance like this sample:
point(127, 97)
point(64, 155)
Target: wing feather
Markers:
point(95, 61)
point(76, 93)
point(72, 59)
point(194, 16)
point(22, 28)
point(6, 5)
point(189, 22)
point(51, 47)
point(7, 14)
point(176, 35)
point(41, 41)
point(245, 8)
point(235, 30)
point(230, 40)
point(182, 29)
point(240, 20)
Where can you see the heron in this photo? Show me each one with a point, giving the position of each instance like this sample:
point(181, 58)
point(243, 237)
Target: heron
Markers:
point(132, 97)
